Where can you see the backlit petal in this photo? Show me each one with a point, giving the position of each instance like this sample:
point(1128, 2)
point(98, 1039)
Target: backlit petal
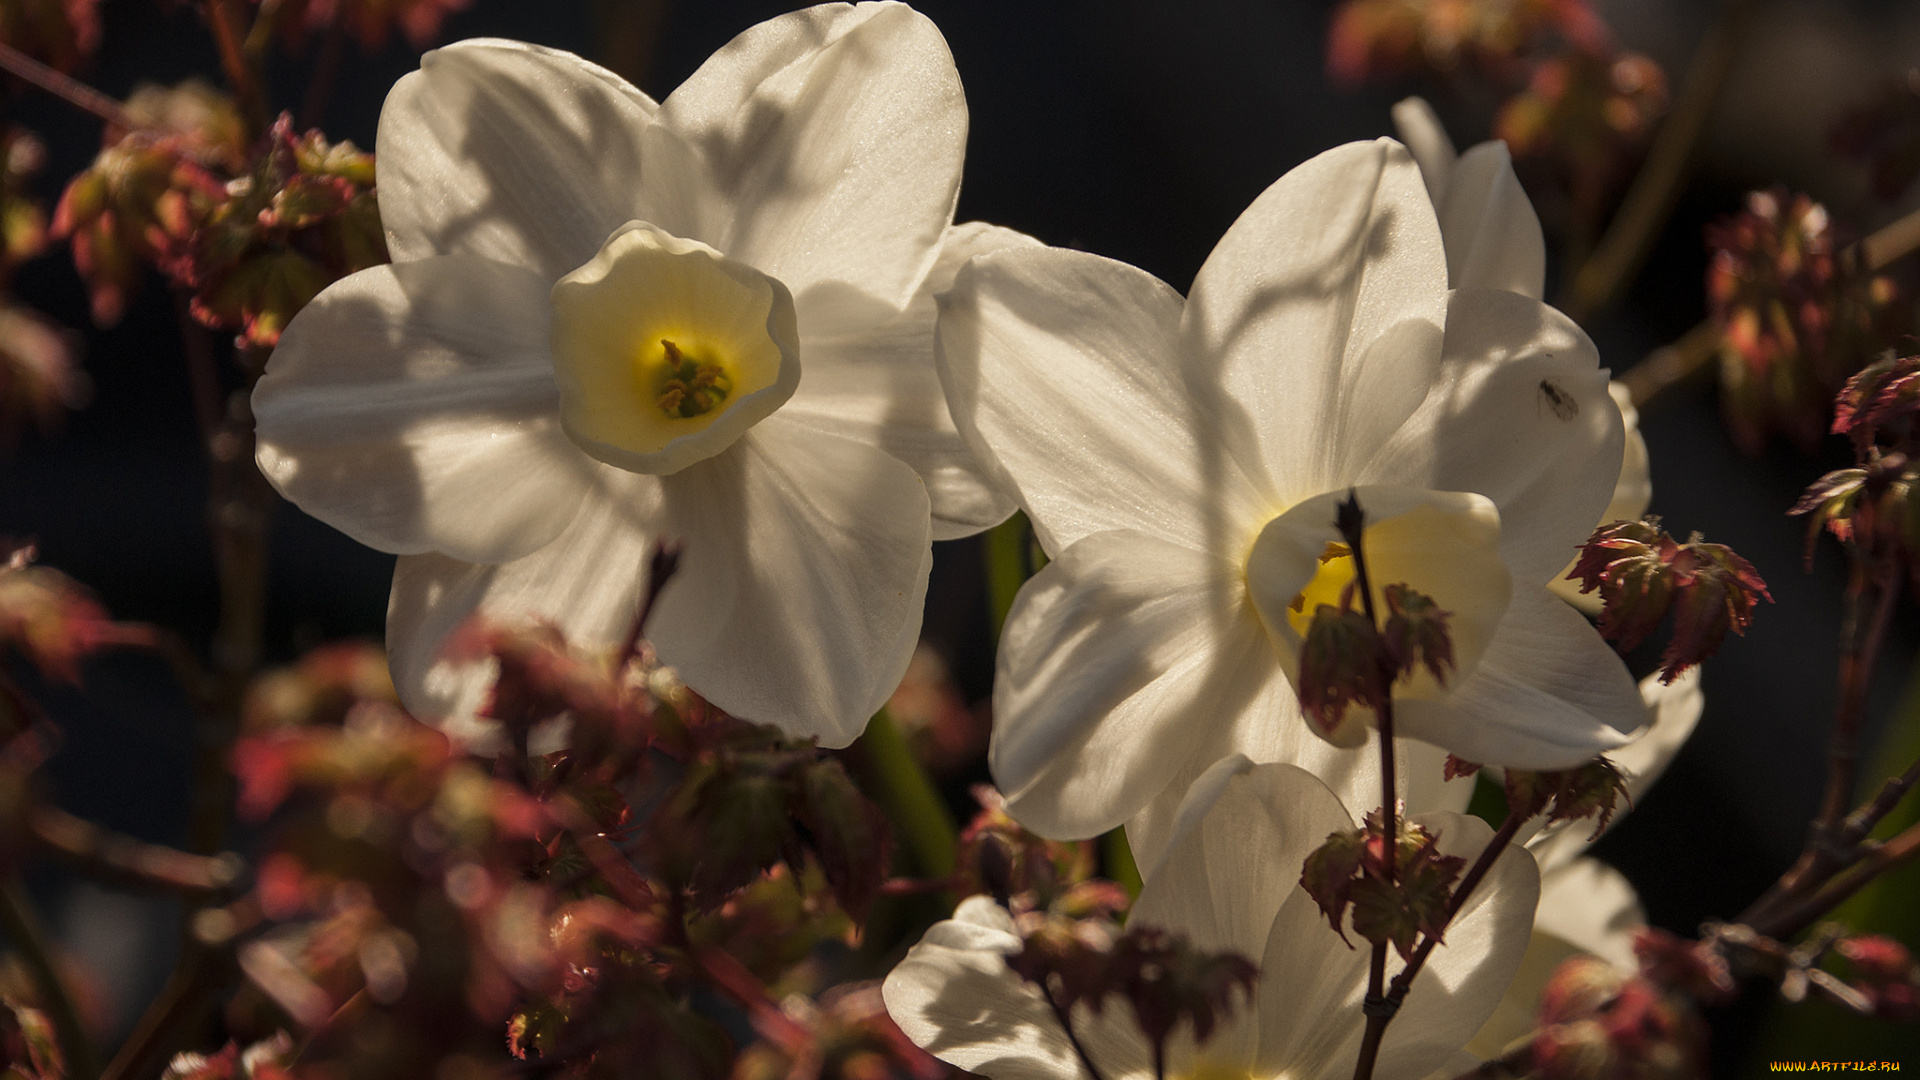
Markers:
point(954, 997)
point(880, 386)
point(1321, 312)
point(513, 152)
point(588, 582)
point(1060, 367)
point(1116, 659)
point(822, 147)
point(1548, 694)
point(413, 408)
point(1521, 414)
point(798, 599)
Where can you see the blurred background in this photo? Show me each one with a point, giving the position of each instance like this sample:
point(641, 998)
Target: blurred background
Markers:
point(1134, 129)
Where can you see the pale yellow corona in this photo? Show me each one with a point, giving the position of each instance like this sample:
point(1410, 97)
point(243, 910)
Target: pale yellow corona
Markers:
point(1443, 544)
point(666, 351)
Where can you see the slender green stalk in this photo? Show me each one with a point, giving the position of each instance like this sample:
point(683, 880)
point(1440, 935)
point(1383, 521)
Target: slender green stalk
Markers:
point(897, 782)
point(1009, 547)
point(22, 928)
point(1116, 855)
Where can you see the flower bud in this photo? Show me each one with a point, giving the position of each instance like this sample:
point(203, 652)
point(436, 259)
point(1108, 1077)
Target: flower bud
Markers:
point(998, 856)
point(1795, 319)
point(1884, 971)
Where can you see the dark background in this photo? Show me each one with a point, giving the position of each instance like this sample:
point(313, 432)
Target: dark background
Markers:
point(1135, 129)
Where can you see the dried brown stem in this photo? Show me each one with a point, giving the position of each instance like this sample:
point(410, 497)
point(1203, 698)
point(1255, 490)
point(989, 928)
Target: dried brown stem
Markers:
point(168, 1019)
point(22, 929)
point(1862, 821)
point(1673, 363)
point(1788, 919)
point(1066, 1025)
point(326, 70)
point(224, 19)
point(111, 857)
point(1832, 844)
point(1891, 242)
point(66, 88)
point(1655, 189)
point(240, 506)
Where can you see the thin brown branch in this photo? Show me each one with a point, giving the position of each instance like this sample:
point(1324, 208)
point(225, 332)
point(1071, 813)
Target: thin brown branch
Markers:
point(108, 856)
point(22, 929)
point(66, 88)
point(662, 563)
point(1830, 848)
point(1863, 820)
point(1650, 198)
point(1379, 1012)
point(1891, 242)
point(1671, 364)
point(1856, 672)
point(1066, 1025)
point(224, 19)
point(167, 1020)
point(240, 506)
point(326, 70)
point(1786, 920)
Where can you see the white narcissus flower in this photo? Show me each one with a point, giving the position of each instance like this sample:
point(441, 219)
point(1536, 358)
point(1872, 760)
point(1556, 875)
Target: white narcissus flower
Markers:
point(1230, 881)
point(1493, 240)
point(1587, 906)
point(610, 321)
point(1181, 461)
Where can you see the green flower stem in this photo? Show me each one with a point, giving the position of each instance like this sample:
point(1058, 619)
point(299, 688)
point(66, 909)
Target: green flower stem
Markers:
point(894, 778)
point(22, 928)
point(1010, 562)
point(1117, 857)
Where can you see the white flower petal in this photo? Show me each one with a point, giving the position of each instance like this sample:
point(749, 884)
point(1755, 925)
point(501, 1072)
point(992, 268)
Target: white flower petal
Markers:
point(1584, 907)
point(1060, 368)
point(513, 152)
point(1271, 729)
point(1492, 235)
point(954, 997)
point(1114, 660)
point(1520, 413)
point(413, 408)
point(1234, 859)
point(588, 582)
point(880, 386)
point(1426, 139)
point(1593, 907)
point(1674, 710)
point(1466, 976)
point(822, 147)
point(1632, 494)
point(1236, 852)
point(1314, 1028)
point(1548, 694)
point(799, 596)
point(1321, 311)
